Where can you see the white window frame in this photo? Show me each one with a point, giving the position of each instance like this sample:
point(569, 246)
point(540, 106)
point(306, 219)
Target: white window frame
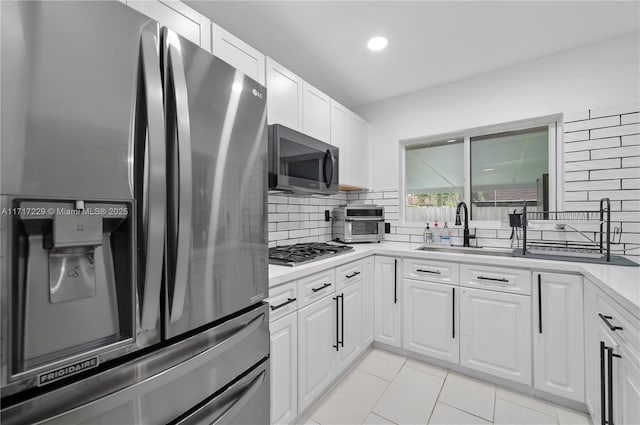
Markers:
point(556, 162)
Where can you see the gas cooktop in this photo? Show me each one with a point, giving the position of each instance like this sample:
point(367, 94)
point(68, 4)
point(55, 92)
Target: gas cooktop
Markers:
point(300, 253)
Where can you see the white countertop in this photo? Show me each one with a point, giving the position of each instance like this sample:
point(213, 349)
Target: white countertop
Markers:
point(620, 282)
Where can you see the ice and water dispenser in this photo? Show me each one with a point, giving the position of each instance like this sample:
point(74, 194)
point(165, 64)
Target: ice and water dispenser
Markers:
point(73, 287)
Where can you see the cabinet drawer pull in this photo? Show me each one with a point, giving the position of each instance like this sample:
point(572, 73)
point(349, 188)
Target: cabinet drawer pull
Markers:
point(354, 274)
point(287, 302)
point(606, 319)
point(429, 271)
point(494, 279)
point(320, 288)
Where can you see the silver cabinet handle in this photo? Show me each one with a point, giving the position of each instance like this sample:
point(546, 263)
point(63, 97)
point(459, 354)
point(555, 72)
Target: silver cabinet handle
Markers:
point(151, 202)
point(429, 271)
point(177, 97)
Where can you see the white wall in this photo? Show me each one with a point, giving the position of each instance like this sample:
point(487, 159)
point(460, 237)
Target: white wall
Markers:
point(602, 74)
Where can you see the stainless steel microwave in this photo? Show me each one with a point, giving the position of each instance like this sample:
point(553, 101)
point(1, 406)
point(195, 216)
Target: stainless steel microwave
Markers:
point(301, 164)
point(358, 223)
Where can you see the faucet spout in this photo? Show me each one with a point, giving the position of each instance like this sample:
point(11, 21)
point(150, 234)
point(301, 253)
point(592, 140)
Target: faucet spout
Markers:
point(465, 233)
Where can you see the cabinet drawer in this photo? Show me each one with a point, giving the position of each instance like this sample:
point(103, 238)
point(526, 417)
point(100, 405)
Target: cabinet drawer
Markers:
point(621, 325)
point(314, 287)
point(501, 279)
point(348, 274)
point(282, 300)
point(432, 271)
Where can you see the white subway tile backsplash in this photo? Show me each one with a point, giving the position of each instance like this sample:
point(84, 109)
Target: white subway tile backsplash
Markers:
point(274, 236)
point(631, 161)
point(576, 156)
point(631, 140)
point(309, 208)
point(575, 116)
point(286, 208)
point(631, 183)
point(623, 173)
point(630, 118)
point(575, 136)
point(298, 233)
point(298, 217)
point(611, 142)
point(616, 152)
point(614, 110)
point(288, 225)
point(278, 217)
point(592, 185)
point(576, 176)
point(614, 194)
point(593, 123)
point(622, 130)
point(600, 164)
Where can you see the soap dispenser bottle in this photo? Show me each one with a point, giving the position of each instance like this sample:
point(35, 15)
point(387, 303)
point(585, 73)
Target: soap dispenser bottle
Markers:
point(427, 236)
point(436, 232)
point(445, 239)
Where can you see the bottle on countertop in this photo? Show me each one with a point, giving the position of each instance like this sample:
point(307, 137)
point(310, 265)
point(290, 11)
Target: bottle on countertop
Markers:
point(436, 232)
point(445, 237)
point(427, 236)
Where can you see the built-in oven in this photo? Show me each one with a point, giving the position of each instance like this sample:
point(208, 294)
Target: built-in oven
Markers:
point(301, 164)
point(358, 223)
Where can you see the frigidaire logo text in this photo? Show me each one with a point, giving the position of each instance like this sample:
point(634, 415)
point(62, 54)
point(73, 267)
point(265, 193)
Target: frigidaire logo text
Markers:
point(63, 372)
point(256, 93)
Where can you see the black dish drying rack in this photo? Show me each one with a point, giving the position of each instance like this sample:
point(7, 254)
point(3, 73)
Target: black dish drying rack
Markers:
point(592, 250)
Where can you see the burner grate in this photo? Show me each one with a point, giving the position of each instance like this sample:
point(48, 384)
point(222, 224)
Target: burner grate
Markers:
point(292, 255)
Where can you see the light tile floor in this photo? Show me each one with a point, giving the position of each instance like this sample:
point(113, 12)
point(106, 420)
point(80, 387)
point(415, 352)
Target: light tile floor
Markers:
point(386, 388)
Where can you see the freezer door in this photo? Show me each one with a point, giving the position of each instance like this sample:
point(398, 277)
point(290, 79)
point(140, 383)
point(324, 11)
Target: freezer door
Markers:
point(217, 168)
point(218, 376)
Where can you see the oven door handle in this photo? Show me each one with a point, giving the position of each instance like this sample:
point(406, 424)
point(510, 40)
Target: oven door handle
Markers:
point(328, 172)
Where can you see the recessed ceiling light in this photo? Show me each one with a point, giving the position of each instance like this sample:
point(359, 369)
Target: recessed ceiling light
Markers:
point(451, 141)
point(377, 43)
point(486, 170)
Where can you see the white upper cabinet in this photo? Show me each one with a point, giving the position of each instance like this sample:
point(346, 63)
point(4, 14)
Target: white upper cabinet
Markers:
point(358, 152)
point(340, 138)
point(558, 335)
point(179, 17)
point(316, 113)
point(284, 96)
point(237, 53)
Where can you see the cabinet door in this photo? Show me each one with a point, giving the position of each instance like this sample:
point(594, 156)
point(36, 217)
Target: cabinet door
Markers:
point(284, 96)
point(340, 137)
point(387, 301)
point(316, 113)
point(350, 325)
point(358, 152)
point(317, 356)
point(179, 17)
point(603, 336)
point(430, 320)
point(284, 369)
point(495, 330)
point(591, 355)
point(558, 335)
point(237, 53)
point(367, 301)
point(627, 389)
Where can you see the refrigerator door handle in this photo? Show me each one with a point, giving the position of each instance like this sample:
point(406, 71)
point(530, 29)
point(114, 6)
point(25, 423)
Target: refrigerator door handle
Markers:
point(228, 410)
point(155, 190)
point(183, 127)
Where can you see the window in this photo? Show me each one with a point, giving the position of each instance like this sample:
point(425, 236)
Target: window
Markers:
point(493, 169)
point(434, 180)
point(505, 169)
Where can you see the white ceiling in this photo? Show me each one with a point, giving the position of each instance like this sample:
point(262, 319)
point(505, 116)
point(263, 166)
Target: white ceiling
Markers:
point(430, 42)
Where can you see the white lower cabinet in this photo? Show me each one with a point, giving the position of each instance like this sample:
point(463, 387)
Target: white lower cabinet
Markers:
point(388, 326)
point(317, 338)
point(284, 369)
point(495, 333)
point(558, 335)
point(431, 319)
point(628, 389)
point(350, 319)
point(367, 301)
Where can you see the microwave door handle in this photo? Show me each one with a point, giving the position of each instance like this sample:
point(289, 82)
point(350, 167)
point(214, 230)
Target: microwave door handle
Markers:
point(152, 198)
point(176, 75)
point(328, 179)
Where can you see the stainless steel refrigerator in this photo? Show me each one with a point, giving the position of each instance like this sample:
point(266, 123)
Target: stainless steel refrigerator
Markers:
point(133, 242)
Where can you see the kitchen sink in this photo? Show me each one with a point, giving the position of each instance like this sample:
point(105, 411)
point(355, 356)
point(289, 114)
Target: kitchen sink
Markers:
point(475, 250)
